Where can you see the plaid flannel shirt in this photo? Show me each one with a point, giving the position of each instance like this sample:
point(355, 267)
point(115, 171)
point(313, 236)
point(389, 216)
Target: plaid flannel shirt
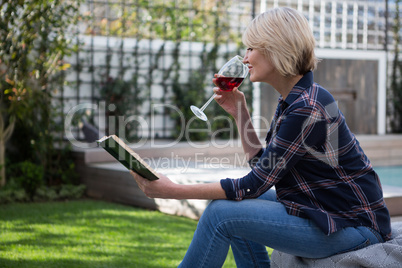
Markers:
point(316, 164)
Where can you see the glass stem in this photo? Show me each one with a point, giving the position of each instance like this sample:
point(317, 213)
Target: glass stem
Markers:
point(208, 102)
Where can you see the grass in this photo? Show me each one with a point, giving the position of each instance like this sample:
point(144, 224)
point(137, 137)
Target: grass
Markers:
point(92, 234)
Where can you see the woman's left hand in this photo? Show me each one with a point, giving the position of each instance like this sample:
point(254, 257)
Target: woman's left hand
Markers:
point(162, 188)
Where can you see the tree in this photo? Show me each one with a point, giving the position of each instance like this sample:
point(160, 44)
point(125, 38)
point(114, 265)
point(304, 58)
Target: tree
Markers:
point(34, 37)
point(12, 105)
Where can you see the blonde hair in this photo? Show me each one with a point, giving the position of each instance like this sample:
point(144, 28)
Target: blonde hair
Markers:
point(284, 35)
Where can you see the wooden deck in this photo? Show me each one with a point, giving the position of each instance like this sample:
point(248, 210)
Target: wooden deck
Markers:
point(108, 180)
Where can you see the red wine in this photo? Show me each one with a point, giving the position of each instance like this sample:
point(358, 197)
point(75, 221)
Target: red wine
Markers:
point(228, 83)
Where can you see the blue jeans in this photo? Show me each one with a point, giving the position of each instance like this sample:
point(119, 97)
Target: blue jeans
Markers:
point(250, 225)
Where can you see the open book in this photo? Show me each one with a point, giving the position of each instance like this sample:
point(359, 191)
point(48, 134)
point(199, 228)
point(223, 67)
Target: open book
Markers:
point(125, 155)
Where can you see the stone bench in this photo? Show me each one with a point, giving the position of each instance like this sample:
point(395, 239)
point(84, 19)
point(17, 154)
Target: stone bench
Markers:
point(388, 254)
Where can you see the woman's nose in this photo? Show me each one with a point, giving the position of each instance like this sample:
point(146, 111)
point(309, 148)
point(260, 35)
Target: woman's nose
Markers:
point(245, 59)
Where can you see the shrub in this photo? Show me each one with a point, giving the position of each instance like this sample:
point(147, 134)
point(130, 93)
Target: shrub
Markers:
point(34, 38)
point(30, 177)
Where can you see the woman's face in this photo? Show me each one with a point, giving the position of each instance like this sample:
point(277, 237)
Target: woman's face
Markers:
point(260, 67)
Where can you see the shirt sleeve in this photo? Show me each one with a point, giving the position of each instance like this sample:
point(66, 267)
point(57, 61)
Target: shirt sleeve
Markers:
point(294, 133)
point(253, 161)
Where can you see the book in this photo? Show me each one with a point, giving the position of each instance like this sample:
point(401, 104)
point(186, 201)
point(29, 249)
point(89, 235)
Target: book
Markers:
point(125, 155)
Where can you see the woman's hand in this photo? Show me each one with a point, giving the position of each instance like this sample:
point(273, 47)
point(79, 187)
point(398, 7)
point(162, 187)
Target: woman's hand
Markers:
point(165, 188)
point(233, 102)
point(162, 188)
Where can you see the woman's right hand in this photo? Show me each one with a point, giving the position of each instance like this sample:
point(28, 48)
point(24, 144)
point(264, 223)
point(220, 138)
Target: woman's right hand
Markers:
point(233, 102)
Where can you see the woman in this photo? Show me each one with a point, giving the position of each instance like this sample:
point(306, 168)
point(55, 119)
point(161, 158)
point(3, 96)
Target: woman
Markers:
point(328, 198)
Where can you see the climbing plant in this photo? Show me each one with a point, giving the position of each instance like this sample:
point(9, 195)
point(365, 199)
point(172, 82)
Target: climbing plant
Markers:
point(175, 26)
point(396, 76)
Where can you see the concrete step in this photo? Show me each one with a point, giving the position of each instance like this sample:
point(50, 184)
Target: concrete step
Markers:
point(166, 149)
point(383, 150)
point(112, 182)
point(185, 163)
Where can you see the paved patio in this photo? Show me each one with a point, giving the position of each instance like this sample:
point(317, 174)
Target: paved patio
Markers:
point(204, 162)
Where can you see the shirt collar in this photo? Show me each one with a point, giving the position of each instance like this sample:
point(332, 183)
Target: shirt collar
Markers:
point(305, 82)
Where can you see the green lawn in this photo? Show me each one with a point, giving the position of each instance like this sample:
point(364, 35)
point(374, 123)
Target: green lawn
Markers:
point(92, 234)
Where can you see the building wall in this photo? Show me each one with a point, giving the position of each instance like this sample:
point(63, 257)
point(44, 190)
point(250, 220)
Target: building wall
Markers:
point(357, 27)
point(343, 24)
point(353, 83)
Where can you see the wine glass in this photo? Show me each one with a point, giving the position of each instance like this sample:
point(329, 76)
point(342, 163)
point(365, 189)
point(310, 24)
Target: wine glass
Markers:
point(231, 75)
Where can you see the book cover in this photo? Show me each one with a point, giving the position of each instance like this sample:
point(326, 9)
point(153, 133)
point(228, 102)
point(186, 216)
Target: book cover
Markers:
point(125, 155)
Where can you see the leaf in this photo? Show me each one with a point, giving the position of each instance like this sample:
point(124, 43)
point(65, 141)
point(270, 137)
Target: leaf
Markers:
point(9, 81)
point(65, 66)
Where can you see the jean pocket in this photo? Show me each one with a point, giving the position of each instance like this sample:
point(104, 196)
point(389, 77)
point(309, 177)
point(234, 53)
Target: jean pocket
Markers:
point(360, 246)
point(377, 235)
